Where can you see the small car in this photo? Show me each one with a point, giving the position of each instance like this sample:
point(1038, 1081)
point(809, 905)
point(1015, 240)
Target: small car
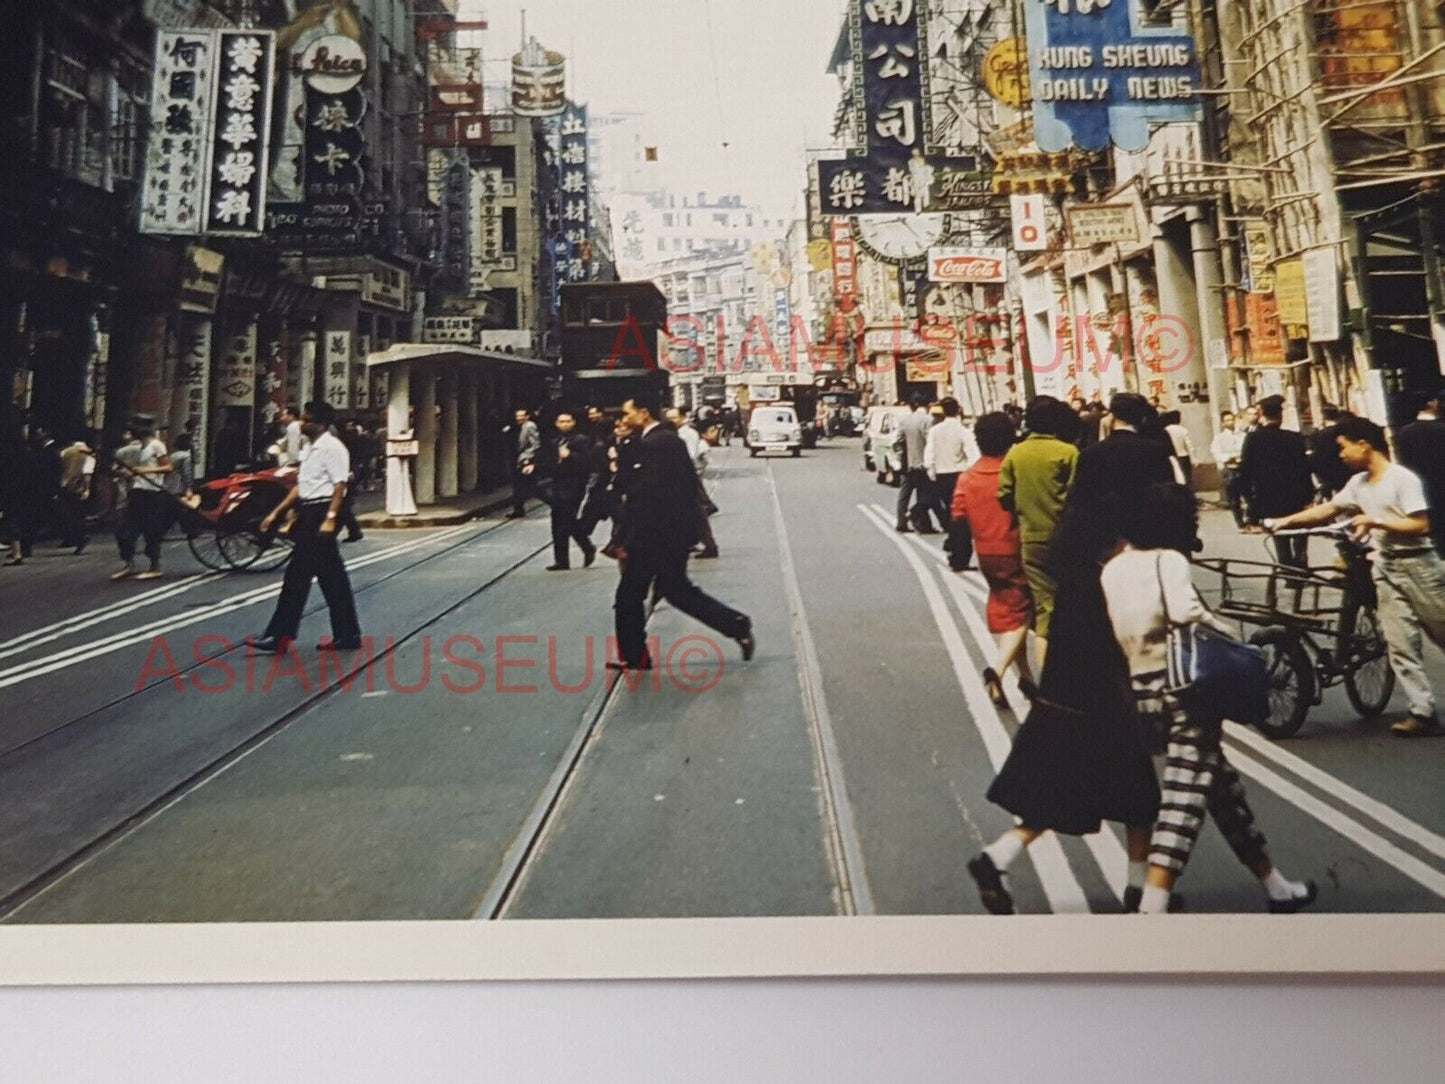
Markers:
point(876, 444)
point(774, 428)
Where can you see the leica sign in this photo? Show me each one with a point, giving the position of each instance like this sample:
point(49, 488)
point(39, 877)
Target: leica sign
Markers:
point(967, 265)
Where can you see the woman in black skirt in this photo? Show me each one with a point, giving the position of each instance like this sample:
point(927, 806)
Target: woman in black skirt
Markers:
point(1078, 760)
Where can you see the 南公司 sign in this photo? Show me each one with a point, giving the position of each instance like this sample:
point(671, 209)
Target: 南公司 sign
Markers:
point(1098, 74)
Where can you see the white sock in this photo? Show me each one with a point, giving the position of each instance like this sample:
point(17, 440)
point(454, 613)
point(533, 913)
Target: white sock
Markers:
point(1155, 901)
point(1280, 887)
point(1005, 850)
point(1138, 871)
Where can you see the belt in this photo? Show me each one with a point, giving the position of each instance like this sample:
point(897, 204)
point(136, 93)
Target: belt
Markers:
point(1394, 555)
point(318, 502)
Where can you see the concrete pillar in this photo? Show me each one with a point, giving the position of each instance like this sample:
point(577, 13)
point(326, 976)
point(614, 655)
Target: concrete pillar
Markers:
point(447, 451)
point(400, 501)
point(424, 395)
point(468, 434)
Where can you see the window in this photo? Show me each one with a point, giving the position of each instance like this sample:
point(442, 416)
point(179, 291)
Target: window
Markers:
point(509, 229)
point(667, 220)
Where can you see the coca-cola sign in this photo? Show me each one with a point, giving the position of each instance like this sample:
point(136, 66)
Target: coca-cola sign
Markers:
point(968, 265)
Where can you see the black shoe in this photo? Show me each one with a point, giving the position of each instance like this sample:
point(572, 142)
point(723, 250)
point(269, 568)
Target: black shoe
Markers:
point(904, 530)
point(81, 548)
point(991, 891)
point(516, 515)
point(339, 645)
point(1029, 689)
point(927, 530)
point(559, 568)
point(1295, 903)
point(749, 644)
point(357, 537)
point(994, 684)
point(623, 667)
point(1133, 897)
point(588, 556)
point(705, 554)
point(272, 645)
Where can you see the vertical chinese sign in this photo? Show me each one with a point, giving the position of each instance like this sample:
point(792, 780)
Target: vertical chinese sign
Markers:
point(174, 198)
point(240, 139)
point(236, 379)
point(486, 189)
point(336, 360)
point(576, 193)
point(895, 165)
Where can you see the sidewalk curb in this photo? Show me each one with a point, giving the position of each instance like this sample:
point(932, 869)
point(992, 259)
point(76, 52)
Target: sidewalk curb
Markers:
point(380, 521)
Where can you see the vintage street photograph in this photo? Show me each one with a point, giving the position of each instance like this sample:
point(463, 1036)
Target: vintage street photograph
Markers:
point(583, 459)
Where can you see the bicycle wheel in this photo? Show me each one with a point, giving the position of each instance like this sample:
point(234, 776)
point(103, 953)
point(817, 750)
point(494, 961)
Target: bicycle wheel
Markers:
point(205, 546)
point(1291, 681)
point(1369, 680)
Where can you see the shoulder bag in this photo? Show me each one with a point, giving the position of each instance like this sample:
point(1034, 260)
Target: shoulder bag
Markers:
point(1213, 675)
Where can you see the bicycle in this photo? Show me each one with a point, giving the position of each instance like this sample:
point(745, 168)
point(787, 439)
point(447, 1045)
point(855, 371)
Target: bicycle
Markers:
point(1318, 628)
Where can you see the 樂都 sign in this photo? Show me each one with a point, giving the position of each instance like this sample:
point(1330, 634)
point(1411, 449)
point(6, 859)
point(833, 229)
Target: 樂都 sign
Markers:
point(967, 265)
point(895, 165)
point(1098, 75)
point(240, 135)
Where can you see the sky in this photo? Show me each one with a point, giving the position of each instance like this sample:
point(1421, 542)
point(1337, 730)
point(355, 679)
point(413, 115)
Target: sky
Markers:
point(656, 58)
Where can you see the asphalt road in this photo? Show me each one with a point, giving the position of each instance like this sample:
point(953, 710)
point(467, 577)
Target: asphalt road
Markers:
point(483, 765)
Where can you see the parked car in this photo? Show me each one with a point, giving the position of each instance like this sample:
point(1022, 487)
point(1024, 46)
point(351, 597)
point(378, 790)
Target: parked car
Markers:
point(881, 452)
point(774, 428)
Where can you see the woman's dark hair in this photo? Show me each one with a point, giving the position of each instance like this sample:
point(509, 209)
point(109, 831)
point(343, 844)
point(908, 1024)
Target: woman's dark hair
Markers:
point(183, 443)
point(995, 434)
point(1132, 409)
point(1357, 429)
point(1164, 517)
point(1045, 415)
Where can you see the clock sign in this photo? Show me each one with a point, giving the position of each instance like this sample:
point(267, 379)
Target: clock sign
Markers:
point(900, 239)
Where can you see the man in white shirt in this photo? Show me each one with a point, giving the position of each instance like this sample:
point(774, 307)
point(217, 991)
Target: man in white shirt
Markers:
point(697, 452)
point(1388, 504)
point(1227, 449)
point(949, 451)
point(292, 439)
point(320, 492)
point(147, 509)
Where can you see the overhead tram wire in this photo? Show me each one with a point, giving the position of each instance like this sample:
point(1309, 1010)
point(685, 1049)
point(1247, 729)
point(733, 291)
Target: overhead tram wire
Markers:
point(717, 94)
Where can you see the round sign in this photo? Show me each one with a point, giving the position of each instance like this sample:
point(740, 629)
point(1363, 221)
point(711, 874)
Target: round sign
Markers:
point(333, 64)
point(1006, 73)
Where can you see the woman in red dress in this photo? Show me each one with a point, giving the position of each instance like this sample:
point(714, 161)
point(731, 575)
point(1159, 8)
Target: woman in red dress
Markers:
point(997, 546)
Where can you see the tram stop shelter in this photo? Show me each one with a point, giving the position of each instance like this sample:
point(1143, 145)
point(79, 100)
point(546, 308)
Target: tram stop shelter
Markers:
point(446, 407)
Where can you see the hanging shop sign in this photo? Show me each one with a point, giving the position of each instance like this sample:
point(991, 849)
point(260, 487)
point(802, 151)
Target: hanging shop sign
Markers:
point(1097, 76)
point(1093, 224)
point(240, 140)
point(1266, 337)
point(1258, 256)
point(360, 382)
point(193, 386)
point(576, 192)
point(782, 314)
point(1322, 294)
point(387, 288)
point(455, 228)
point(201, 276)
point(174, 196)
point(896, 164)
point(487, 219)
point(845, 264)
point(820, 255)
point(333, 64)
point(1291, 295)
point(1026, 215)
point(236, 374)
point(1006, 73)
point(967, 265)
point(539, 81)
point(336, 365)
point(449, 329)
point(273, 375)
point(1174, 172)
point(189, 13)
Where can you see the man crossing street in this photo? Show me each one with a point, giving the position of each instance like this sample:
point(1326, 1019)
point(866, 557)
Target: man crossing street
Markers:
point(573, 463)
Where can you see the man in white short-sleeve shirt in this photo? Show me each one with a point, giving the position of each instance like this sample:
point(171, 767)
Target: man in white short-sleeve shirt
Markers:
point(318, 495)
point(1388, 503)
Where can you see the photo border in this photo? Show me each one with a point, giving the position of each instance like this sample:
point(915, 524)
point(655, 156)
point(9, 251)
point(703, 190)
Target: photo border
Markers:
point(1122, 946)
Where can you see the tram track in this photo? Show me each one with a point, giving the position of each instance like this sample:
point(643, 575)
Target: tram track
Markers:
point(104, 839)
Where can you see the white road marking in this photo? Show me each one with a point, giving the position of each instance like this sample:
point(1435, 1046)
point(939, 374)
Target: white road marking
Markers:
point(27, 640)
point(1060, 883)
point(1342, 823)
point(117, 641)
point(1384, 815)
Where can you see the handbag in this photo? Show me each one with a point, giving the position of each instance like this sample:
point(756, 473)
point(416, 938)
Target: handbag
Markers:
point(1213, 675)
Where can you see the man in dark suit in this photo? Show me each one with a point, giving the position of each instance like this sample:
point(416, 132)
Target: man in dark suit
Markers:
point(1274, 471)
point(572, 464)
point(1324, 452)
point(662, 526)
point(1421, 447)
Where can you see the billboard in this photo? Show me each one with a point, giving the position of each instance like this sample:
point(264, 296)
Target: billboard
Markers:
point(539, 81)
point(967, 265)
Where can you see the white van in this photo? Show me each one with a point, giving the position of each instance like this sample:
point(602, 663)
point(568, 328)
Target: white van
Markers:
point(774, 428)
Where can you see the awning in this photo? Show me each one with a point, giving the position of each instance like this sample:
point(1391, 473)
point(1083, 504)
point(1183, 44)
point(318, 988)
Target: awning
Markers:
point(453, 355)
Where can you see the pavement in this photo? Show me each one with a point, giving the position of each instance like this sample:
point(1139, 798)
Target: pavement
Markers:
point(371, 510)
point(484, 763)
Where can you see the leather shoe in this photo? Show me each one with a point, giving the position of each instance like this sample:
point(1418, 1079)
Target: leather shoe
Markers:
point(705, 554)
point(271, 645)
point(749, 644)
point(516, 515)
point(354, 537)
point(559, 568)
point(904, 530)
point(623, 667)
point(588, 556)
point(992, 892)
point(1295, 903)
point(339, 645)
